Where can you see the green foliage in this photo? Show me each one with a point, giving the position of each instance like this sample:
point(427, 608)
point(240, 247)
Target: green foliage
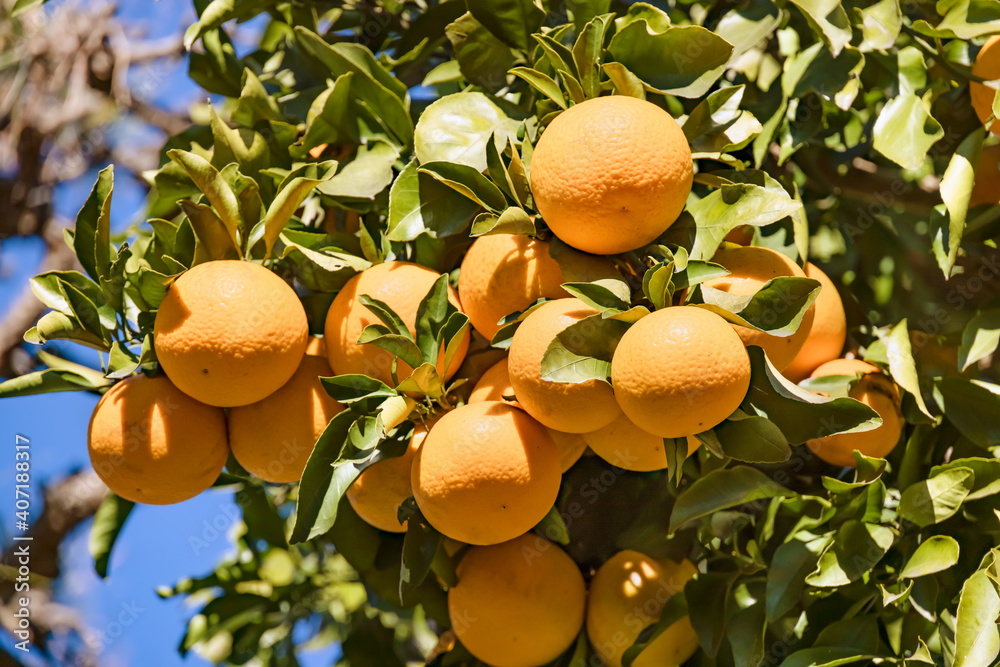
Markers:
point(838, 132)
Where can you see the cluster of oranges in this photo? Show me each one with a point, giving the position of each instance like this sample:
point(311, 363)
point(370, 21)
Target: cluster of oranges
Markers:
point(609, 176)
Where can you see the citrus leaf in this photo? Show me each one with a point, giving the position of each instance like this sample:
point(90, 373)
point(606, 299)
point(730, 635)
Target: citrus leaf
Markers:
point(933, 500)
point(902, 368)
point(980, 338)
point(776, 308)
point(483, 58)
point(722, 489)
point(420, 204)
point(583, 351)
point(971, 405)
point(977, 637)
point(935, 554)
point(513, 220)
point(108, 522)
point(905, 131)
point(456, 128)
point(829, 18)
point(420, 545)
point(92, 237)
point(856, 549)
point(468, 182)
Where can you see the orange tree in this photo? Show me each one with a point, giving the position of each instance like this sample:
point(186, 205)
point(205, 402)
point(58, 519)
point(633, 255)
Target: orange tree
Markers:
point(778, 185)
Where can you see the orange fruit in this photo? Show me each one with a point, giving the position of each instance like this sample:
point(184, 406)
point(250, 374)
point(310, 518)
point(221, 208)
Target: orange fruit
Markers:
point(987, 187)
point(679, 371)
point(571, 408)
point(876, 391)
point(495, 384)
point(517, 604)
point(611, 174)
point(829, 329)
point(382, 487)
point(274, 437)
point(229, 333)
point(742, 235)
point(401, 286)
point(628, 594)
point(987, 66)
point(749, 268)
point(151, 443)
point(505, 273)
point(485, 473)
point(624, 445)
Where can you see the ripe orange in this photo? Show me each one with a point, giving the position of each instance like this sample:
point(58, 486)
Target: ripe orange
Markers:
point(517, 604)
point(751, 267)
point(485, 473)
point(379, 491)
point(611, 174)
point(987, 187)
point(828, 333)
point(401, 286)
point(274, 437)
point(495, 384)
point(987, 66)
point(679, 371)
point(229, 333)
point(572, 408)
point(627, 594)
point(624, 445)
point(152, 443)
point(877, 392)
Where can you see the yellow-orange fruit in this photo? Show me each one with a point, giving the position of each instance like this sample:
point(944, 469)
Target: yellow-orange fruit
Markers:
point(517, 604)
point(611, 174)
point(828, 333)
point(571, 408)
point(749, 269)
point(987, 187)
point(742, 235)
point(401, 286)
point(152, 443)
point(987, 66)
point(505, 273)
point(381, 488)
point(679, 371)
point(485, 473)
point(627, 594)
point(274, 437)
point(229, 333)
point(876, 391)
point(624, 445)
point(495, 384)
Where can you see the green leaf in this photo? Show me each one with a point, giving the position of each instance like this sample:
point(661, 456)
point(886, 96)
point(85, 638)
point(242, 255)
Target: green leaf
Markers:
point(745, 27)
point(92, 237)
point(467, 181)
point(371, 84)
point(543, 83)
point(987, 475)
point(432, 314)
point(829, 19)
point(587, 52)
point(933, 500)
point(213, 237)
point(905, 131)
point(826, 656)
point(108, 523)
point(977, 637)
point(972, 406)
point(243, 146)
point(658, 284)
point(856, 549)
point(724, 209)
point(583, 351)
point(722, 489)
point(287, 201)
point(963, 19)
point(718, 125)
point(483, 58)
point(513, 220)
point(709, 615)
point(746, 634)
point(880, 25)
point(834, 78)
point(456, 128)
point(902, 368)
point(22, 6)
point(420, 545)
point(399, 345)
point(602, 297)
point(57, 326)
point(331, 119)
point(792, 562)
point(325, 270)
point(980, 338)
point(683, 61)
point(956, 190)
point(364, 177)
point(513, 21)
point(420, 204)
point(753, 439)
point(935, 554)
point(352, 388)
point(208, 179)
point(624, 81)
point(46, 382)
point(777, 307)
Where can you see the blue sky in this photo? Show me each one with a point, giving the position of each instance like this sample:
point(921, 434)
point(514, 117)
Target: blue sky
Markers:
point(130, 623)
